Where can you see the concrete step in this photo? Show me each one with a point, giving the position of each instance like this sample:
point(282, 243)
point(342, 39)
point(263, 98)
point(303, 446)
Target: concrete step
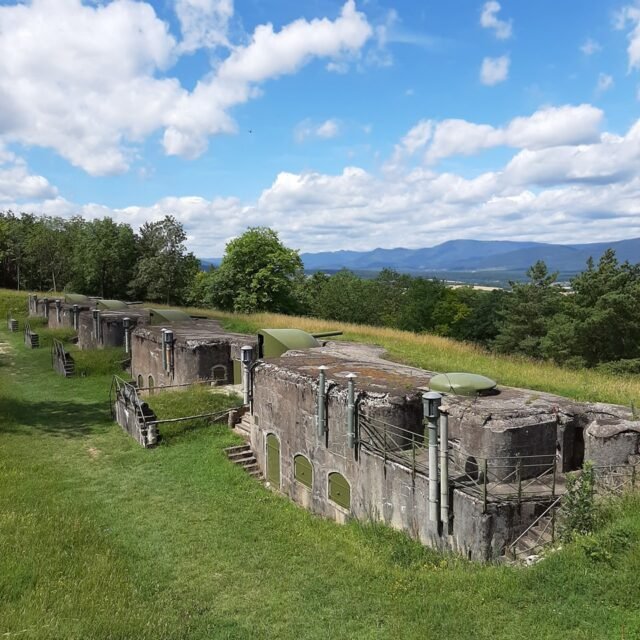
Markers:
point(244, 457)
point(237, 449)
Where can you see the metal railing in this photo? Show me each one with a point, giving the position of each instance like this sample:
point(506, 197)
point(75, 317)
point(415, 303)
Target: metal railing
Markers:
point(616, 479)
point(59, 352)
point(544, 529)
point(505, 478)
point(128, 392)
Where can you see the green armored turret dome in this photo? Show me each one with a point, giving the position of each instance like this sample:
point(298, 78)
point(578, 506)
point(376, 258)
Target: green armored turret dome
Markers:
point(462, 384)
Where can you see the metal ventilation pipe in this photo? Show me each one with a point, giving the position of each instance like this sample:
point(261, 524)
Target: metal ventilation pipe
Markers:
point(444, 472)
point(126, 323)
point(246, 357)
point(96, 324)
point(321, 416)
point(45, 302)
point(431, 404)
point(164, 349)
point(76, 316)
point(351, 410)
point(168, 336)
point(58, 311)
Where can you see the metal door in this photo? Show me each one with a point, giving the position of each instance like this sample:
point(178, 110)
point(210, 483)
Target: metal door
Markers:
point(273, 460)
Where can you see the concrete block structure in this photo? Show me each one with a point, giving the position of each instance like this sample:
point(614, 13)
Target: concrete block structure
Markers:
point(181, 353)
point(65, 312)
point(98, 329)
point(357, 447)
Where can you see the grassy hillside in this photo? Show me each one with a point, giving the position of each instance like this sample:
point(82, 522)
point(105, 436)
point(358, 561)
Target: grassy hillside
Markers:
point(434, 353)
point(100, 539)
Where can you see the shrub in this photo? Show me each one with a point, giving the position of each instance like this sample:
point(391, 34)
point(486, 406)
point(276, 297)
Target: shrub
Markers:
point(579, 513)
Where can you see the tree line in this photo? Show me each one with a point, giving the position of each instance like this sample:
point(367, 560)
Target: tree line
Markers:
point(98, 257)
point(594, 324)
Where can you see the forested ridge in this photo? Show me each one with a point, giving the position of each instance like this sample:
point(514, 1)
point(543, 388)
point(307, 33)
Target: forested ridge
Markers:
point(596, 324)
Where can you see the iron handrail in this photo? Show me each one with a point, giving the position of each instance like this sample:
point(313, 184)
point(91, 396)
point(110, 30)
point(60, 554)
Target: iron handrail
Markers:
point(554, 505)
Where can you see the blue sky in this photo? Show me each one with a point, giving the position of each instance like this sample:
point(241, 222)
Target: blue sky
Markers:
point(342, 124)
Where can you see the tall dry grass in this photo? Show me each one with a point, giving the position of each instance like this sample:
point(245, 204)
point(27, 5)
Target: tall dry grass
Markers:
point(435, 353)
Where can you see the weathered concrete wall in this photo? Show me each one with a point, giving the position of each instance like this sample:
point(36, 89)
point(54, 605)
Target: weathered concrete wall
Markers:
point(112, 332)
point(32, 305)
point(285, 405)
point(612, 442)
point(209, 355)
point(61, 315)
point(129, 415)
point(42, 307)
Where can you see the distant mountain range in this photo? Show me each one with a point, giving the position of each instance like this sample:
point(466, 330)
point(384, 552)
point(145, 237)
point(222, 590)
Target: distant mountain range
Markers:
point(470, 256)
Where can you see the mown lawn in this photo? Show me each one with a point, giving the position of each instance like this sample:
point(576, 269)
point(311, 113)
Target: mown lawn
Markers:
point(102, 539)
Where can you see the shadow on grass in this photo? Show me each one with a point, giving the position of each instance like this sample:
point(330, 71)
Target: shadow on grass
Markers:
point(63, 418)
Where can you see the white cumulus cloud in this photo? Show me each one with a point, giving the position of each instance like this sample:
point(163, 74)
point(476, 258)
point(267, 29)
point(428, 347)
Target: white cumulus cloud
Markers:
point(203, 23)
point(489, 20)
point(494, 70)
point(308, 129)
point(92, 82)
point(547, 127)
point(630, 16)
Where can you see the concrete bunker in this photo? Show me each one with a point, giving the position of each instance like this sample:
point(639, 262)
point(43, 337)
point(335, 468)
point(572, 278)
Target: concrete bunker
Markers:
point(339, 421)
point(99, 329)
point(65, 312)
point(184, 353)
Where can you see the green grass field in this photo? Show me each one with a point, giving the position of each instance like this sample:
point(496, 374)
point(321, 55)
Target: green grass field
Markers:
point(100, 538)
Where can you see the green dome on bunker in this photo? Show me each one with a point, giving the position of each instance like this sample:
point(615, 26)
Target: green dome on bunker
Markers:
point(462, 384)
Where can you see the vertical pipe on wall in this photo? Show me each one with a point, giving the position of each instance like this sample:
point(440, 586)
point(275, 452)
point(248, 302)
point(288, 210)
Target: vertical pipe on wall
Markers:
point(321, 415)
point(164, 349)
point(58, 311)
point(431, 403)
point(126, 323)
point(45, 302)
point(96, 324)
point(170, 355)
point(76, 313)
point(444, 471)
point(351, 410)
point(246, 357)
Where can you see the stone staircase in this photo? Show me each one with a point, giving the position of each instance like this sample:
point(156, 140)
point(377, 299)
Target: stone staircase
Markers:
point(243, 455)
point(243, 428)
point(69, 367)
point(538, 537)
point(32, 340)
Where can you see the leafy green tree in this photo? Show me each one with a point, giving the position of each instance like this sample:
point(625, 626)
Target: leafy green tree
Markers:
point(106, 255)
point(257, 273)
point(347, 298)
point(529, 313)
point(420, 301)
point(165, 269)
point(48, 253)
point(481, 324)
point(391, 288)
point(601, 322)
point(200, 289)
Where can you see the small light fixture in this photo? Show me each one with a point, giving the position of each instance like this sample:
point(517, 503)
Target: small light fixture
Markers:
point(432, 401)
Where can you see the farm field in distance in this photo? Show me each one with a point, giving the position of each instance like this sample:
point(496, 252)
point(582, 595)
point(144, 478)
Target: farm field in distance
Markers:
point(100, 538)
